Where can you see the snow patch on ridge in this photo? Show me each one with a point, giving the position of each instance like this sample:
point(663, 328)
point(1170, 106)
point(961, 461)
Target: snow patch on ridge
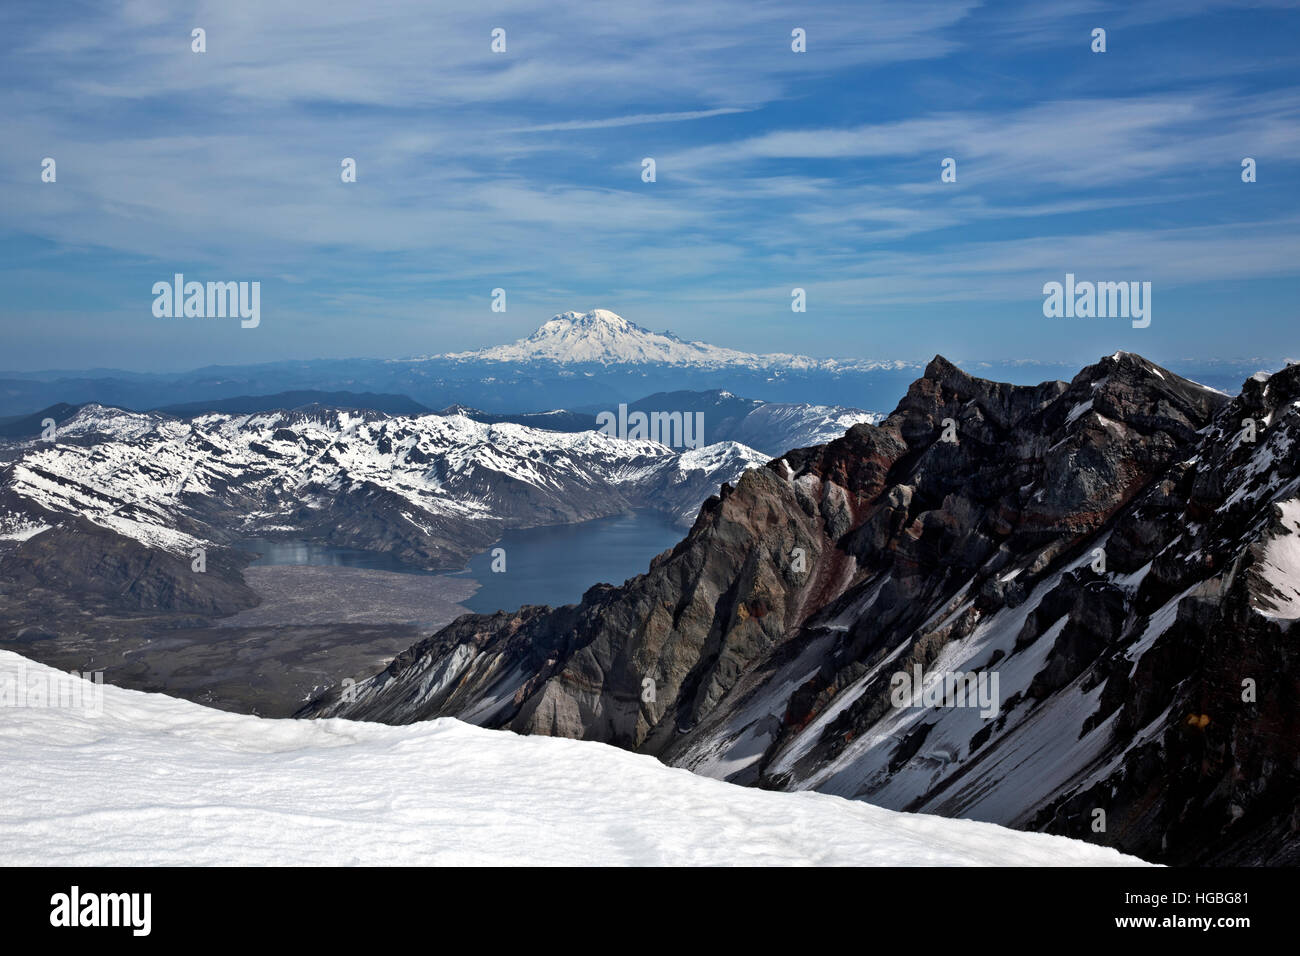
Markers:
point(1280, 567)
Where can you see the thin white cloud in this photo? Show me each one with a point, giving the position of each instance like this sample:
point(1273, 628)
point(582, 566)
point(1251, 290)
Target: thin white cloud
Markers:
point(467, 179)
point(639, 119)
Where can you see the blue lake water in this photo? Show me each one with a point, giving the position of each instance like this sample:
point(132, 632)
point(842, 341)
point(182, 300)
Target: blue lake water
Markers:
point(542, 565)
point(556, 565)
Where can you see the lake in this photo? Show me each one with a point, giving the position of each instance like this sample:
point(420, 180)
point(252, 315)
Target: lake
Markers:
point(553, 565)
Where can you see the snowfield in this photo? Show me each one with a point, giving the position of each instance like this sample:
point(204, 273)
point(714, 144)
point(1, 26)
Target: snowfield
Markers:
point(157, 781)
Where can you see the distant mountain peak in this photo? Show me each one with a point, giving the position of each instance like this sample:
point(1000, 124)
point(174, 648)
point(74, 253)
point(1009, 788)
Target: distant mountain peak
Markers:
point(602, 337)
point(597, 321)
point(605, 338)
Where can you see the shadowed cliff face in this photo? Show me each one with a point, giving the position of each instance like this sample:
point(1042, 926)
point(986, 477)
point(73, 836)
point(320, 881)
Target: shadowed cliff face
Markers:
point(1114, 556)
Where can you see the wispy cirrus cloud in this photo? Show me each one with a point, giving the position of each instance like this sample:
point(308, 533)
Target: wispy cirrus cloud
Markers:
point(774, 169)
point(640, 119)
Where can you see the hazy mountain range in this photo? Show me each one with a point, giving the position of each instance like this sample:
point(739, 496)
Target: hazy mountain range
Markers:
point(574, 361)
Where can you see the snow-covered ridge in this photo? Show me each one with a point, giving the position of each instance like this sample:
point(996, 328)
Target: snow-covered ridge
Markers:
point(152, 478)
point(604, 338)
point(157, 781)
point(786, 426)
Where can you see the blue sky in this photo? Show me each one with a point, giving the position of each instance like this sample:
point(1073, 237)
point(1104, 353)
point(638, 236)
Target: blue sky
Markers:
point(522, 170)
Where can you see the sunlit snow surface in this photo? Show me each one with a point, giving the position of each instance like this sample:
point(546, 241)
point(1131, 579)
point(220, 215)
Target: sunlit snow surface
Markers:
point(601, 336)
point(145, 475)
point(155, 780)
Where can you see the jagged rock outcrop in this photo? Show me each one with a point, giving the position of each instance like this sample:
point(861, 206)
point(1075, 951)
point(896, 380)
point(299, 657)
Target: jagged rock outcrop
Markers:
point(1113, 562)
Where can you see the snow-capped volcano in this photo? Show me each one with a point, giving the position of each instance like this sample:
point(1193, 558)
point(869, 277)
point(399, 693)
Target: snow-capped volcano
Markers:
point(604, 338)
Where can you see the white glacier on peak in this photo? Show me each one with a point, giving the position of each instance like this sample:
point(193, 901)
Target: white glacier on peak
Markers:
point(605, 338)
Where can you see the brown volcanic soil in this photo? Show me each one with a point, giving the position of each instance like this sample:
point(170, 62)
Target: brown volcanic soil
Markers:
point(314, 627)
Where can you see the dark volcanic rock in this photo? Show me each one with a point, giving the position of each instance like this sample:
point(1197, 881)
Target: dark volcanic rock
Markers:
point(1116, 553)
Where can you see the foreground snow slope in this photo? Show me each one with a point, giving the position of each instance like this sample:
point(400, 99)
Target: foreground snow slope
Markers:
point(155, 780)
